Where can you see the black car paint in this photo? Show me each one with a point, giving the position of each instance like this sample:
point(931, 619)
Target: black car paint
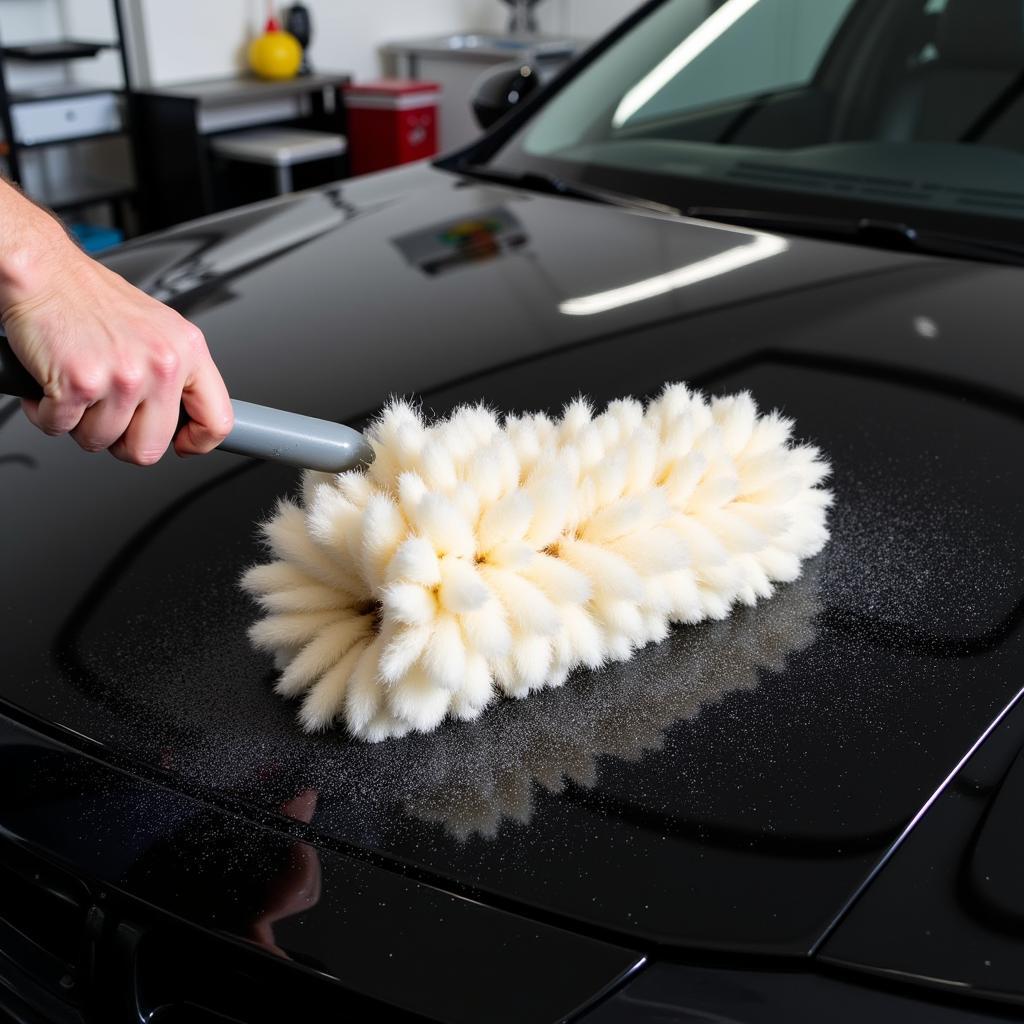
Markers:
point(392, 941)
point(937, 907)
point(738, 833)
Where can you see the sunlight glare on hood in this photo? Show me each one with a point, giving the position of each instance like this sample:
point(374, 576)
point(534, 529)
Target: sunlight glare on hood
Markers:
point(761, 248)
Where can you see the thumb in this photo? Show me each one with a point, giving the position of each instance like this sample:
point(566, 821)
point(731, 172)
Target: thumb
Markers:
point(210, 418)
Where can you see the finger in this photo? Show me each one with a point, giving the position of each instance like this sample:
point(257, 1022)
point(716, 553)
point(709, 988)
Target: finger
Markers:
point(149, 434)
point(30, 407)
point(56, 416)
point(61, 411)
point(53, 416)
point(103, 423)
point(206, 401)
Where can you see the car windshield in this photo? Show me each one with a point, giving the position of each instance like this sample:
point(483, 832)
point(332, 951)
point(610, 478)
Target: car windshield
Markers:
point(912, 110)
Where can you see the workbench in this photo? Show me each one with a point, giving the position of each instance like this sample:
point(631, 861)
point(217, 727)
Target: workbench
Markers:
point(180, 179)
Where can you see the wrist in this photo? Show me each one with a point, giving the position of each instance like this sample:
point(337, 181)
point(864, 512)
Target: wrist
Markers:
point(35, 251)
point(32, 261)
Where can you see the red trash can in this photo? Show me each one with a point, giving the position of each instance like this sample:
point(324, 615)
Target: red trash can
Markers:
point(391, 121)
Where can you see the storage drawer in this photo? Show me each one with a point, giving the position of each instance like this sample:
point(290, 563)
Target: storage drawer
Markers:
point(38, 121)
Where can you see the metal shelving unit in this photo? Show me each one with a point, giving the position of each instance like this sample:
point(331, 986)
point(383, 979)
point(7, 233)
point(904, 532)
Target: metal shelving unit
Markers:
point(62, 100)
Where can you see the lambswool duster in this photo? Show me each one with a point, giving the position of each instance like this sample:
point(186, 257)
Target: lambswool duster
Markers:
point(478, 556)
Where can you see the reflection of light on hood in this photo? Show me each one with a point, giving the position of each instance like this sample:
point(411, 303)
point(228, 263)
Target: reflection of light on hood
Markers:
point(264, 234)
point(473, 777)
point(761, 248)
point(692, 46)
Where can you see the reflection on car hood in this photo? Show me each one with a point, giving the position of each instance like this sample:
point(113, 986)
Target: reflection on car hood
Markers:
point(727, 789)
point(475, 777)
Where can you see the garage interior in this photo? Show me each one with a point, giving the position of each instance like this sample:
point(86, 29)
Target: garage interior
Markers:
point(591, 588)
point(125, 116)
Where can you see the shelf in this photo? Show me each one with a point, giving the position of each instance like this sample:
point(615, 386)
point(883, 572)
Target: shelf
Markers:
point(56, 50)
point(61, 91)
point(222, 92)
point(73, 140)
point(74, 115)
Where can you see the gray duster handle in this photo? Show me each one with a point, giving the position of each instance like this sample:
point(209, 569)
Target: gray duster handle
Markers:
point(262, 432)
point(259, 431)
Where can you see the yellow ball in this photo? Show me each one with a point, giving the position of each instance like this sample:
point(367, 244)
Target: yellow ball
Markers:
point(275, 55)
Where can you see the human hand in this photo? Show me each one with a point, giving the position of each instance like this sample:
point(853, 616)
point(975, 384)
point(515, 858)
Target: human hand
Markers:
point(115, 365)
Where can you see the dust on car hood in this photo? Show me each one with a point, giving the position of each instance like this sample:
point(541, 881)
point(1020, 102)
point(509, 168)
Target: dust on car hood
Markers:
point(727, 789)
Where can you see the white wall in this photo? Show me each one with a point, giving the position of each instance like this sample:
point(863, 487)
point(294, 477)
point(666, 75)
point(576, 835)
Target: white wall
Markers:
point(346, 33)
point(179, 40)
point(191, 39)
point(585, 19)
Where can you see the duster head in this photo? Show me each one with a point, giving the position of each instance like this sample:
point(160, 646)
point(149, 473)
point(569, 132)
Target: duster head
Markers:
point(479, 556)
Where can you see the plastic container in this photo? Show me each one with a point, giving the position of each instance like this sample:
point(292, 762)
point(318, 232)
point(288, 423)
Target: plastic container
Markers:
point(95, 237)
point(391, 121)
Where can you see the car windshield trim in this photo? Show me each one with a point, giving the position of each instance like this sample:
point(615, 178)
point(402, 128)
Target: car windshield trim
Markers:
point(868, 231)
point(550, 184)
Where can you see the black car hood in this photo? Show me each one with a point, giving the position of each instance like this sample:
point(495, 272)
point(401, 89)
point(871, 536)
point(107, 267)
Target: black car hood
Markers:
point(727, 789)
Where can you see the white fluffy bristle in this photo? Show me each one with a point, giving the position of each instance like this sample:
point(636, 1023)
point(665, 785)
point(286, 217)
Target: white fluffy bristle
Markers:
point(475, 557)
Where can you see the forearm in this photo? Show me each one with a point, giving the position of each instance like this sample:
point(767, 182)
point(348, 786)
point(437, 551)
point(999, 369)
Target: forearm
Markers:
point(113, 363)
point(34, 249)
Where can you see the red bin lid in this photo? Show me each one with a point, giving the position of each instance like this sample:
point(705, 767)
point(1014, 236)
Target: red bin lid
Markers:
point(391, 87)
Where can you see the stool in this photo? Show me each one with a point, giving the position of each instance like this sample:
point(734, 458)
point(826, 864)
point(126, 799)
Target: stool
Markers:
point(280, 148)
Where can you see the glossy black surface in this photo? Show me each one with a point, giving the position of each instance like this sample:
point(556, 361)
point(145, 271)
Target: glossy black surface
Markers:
point(391, 941)
point(728, 790)
point(948, 911)
point(670, 994)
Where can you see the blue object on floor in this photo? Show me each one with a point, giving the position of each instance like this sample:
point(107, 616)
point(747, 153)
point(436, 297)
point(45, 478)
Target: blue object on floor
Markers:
point(94, 237)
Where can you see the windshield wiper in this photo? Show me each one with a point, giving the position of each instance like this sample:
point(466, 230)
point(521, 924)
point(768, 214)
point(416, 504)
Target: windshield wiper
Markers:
point(535, 181)
point(882, 234)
